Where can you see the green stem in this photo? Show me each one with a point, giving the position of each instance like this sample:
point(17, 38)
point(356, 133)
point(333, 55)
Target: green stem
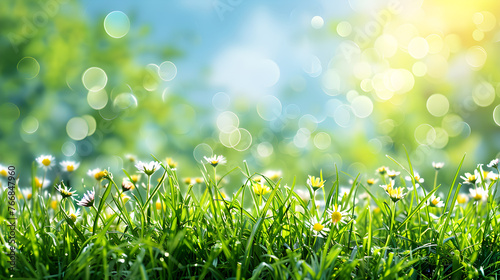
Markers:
point(148, 207)
point(215, 177)
point(97, 213)
point(98, 192)
point(147, 188)
point(435, 179)
point(315, 213)
point(390, 231)
point(383, 179)
point(324, 199)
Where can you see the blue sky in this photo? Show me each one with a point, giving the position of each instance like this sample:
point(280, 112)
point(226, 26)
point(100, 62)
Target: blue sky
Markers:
point(251, 47)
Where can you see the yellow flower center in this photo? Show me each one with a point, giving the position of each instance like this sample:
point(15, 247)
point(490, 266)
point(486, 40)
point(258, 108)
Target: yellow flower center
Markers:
point(222, 195)
point(318, 227)
point(134, 178)
point(66, 193)
point(316, 183)
point(478, 196)
point(171, 163)
point(199, 180)
point(336, 217)
point(435, 201)
point(53, 204)
point(73, 217)
point(472, 178)
point(417, 178)
point(261, 189)
point(70, 167)
point(125, 198)
point(370, 181)
point(396, 194)
point(99, 175)
point(158, 205)
point(393, 192)
point(3, 172)
point(46, 161)
point(29, 196)
point(38, 183)
point(461, 198)
point(376, 210)
point(214, 162)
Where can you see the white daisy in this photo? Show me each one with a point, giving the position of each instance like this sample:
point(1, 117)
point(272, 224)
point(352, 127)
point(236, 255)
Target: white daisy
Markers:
point(435, 201)
point(273, 175)
point(260, 188)
point(87, 199)
point(3, 171)
point(69, 166)
point(46, 161)
point(215, 160)
point(54, 201)
point(462, 198)
point(418, 179)
point(189, 181)
point(171, 163)
point(96, 173)
point(492, 176)
point(147, 168)
point(396, 194)
point(478, 193)
point(337, 216)
point(487, 175)
point(371, 181)
point(198, 180)
point(74, 215)
point(26, 194)
point(343, 193)
point(64, 191)
point(493, 163)
point(41, 183)
point(437, 165)
point(388, 187)
point(382, 170)
point(303, 195)
point(127, 185)
point(315, 182)
point(417, 186)
point(317, 227)
point(471, 178)
point(393, 174)
point(131, 157)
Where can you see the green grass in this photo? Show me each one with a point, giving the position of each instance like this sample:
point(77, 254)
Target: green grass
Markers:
point(174, 230)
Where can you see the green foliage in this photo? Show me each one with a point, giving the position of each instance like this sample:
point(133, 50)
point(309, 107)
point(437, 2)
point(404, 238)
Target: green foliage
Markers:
point(196, 231)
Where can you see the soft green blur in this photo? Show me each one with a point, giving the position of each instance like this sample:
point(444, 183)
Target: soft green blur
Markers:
point(429, 77)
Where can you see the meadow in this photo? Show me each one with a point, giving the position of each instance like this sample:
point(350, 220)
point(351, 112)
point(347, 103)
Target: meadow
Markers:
point(249, 139)
point(147, 223)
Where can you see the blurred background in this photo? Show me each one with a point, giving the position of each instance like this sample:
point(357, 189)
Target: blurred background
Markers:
point(298, 87)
